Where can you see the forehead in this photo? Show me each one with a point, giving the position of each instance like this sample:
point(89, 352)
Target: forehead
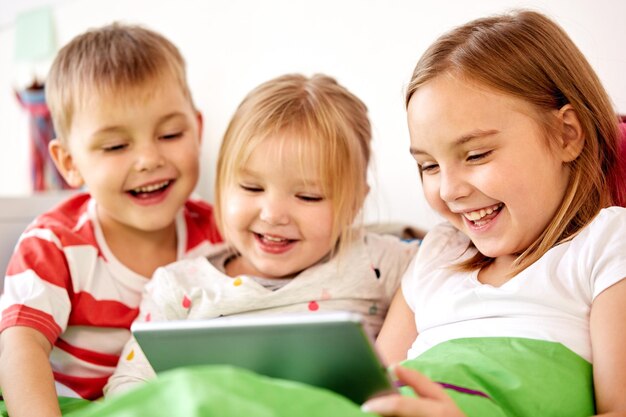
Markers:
point(284, 154)
point(449, 107)
point(129, 106)
point(161, 87)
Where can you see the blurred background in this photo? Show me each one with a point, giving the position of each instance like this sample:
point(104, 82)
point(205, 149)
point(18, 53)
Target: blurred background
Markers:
point(230, 46)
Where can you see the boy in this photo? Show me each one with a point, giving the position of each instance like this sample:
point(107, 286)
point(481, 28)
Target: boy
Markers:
point(127, 130)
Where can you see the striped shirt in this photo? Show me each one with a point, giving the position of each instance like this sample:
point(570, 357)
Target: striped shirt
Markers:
point(63, 281)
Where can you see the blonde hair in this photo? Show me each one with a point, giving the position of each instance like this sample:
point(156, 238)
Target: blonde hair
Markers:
point(527, 55)
point(108, 60)
point(331, 127)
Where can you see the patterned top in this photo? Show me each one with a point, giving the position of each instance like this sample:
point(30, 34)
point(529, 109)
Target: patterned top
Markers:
point(362, 280)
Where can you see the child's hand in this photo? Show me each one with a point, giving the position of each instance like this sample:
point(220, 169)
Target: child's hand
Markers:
point(432, 401)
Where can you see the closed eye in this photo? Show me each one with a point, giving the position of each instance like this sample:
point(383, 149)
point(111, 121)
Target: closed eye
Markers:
point(172, 136)
point(310, 198)
point(428, 168)
point(113, 148)
point(478, 157)
point(251, 188)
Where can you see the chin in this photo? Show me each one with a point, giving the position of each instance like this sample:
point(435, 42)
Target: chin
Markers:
point(155, 226)
point(493, 253)
point(276, 273)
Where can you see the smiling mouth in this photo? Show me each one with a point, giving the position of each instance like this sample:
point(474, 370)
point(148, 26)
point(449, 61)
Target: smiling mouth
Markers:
point(273, 240)
point(480, 217)
point(148, 190)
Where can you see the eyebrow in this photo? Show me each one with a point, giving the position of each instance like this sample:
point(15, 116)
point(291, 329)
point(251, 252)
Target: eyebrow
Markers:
point(476, 134)
point(119, 128)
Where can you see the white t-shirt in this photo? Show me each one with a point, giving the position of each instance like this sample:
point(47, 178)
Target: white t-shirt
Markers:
point(550, 300)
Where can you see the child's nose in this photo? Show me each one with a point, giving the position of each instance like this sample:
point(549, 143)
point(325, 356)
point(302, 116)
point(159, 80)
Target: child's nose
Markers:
point(274, 211)
point(149, 158)
point(453, 185)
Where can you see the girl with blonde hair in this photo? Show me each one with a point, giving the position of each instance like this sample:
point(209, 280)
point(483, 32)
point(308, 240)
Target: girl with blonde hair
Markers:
point(291, 179)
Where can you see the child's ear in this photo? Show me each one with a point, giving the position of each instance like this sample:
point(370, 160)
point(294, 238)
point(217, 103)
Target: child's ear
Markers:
point(64, 163)
point(572, 137)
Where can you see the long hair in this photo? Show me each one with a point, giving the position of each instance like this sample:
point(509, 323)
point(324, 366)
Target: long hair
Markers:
point(527, 55)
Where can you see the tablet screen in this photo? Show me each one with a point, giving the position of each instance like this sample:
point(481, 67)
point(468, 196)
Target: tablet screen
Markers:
point(329, 350)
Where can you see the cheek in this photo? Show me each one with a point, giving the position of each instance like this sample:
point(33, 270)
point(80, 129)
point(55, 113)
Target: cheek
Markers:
point(236, 210)
point(430, 186)
point(319, 223)
point(104, 173)
point(190, 159)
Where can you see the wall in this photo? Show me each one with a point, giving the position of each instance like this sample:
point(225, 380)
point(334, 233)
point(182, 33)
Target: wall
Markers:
point(370, 46)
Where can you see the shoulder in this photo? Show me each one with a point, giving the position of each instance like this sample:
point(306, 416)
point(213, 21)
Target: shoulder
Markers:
point(215, 253)
point(593, 259)
point(60, 237)
point(68, 213)
point(69, 222)
point(194, 269)
point(443, 242)
point(610, 220)
point(387, 256)
point(384, 245)
point(598, 249)
point(442, 246)
point(604, 232)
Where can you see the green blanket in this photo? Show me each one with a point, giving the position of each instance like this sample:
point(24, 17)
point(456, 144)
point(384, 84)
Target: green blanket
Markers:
point(487, 377)
point(222, 391)
point(510, 377)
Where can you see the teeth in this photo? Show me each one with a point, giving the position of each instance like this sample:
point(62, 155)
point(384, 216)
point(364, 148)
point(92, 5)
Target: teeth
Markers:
point(150, 188)
point(273, 239)
point(479, 214)
point(474, 215)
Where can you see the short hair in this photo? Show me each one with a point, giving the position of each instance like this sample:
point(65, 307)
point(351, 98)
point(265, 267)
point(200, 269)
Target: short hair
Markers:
point(328, 122)
point(107, 60)
point(527, 55)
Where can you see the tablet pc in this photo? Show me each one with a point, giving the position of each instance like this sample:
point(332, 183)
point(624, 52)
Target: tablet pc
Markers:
point(329, 350)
